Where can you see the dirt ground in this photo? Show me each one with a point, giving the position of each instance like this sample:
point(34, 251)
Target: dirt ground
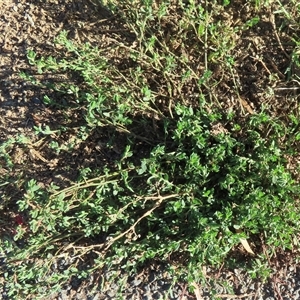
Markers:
point(34, 24)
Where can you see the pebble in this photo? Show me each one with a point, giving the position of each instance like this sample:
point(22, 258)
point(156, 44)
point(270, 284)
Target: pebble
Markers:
point(155, 285)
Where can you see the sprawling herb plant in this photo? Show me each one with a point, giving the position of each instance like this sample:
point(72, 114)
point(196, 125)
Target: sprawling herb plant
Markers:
point(192, 178)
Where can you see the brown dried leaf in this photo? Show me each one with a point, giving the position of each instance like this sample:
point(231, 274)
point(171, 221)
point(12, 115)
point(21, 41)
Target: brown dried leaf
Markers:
point(246, 245)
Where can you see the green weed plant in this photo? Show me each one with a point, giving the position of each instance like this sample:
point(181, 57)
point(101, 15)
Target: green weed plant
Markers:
point(192, 180)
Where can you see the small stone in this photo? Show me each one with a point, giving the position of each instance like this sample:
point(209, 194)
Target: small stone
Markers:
point(291, 268)
point(136, 282)
point(36, 100)
point(111, 293)
point(63, 295)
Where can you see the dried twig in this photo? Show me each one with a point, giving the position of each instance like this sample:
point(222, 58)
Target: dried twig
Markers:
point(230, 296)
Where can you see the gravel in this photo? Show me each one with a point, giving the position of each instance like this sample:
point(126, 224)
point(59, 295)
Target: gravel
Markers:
point(155, 283)
point(240, 285)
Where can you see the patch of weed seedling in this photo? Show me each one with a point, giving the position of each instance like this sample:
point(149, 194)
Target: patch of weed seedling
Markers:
point(191, 185)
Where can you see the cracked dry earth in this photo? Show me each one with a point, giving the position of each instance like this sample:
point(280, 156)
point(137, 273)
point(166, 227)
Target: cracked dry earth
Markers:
point(33, 24)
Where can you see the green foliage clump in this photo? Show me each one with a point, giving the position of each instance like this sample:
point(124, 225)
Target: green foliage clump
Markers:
point(192, 180)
